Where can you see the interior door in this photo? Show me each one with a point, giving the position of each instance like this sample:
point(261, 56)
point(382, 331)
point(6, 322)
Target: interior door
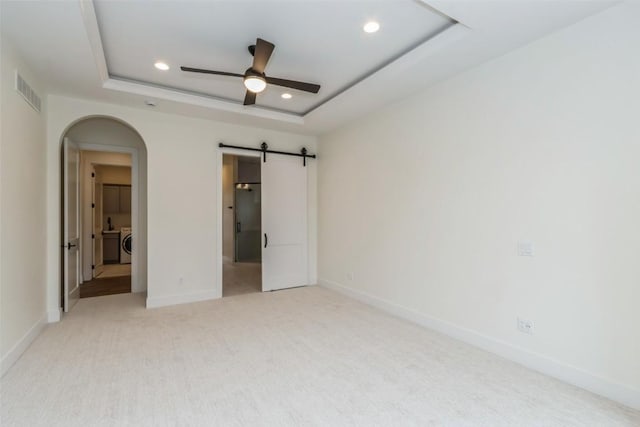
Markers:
point(97, 226)
point(284, 223)
point(71, 236)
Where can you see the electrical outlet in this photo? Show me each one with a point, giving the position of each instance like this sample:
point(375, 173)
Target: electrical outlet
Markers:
point(525, 326)
point(350, 276)
point(525, 248)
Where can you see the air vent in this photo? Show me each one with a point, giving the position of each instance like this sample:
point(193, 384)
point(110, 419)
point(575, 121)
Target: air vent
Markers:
point(27, 93)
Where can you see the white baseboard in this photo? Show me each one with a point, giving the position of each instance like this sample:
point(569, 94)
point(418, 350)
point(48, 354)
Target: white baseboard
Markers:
point(16, 351)
point(54, 315)
point(618, 392)
point(163, 301)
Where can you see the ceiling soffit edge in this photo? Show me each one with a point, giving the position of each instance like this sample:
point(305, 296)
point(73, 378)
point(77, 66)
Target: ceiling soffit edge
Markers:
point(452, 32)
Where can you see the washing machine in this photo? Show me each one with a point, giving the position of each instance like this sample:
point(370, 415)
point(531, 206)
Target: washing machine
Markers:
point(125, 245)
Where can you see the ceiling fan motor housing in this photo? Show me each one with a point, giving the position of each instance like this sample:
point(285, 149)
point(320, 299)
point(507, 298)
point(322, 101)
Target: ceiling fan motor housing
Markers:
point(253, 73)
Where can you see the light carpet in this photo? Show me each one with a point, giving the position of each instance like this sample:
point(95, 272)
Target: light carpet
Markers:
point(300, 357)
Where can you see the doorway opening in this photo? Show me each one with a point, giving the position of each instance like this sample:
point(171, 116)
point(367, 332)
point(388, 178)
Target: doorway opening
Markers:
point(284, 210)
point(104, 210)
point(110, 224)
point(241, 225)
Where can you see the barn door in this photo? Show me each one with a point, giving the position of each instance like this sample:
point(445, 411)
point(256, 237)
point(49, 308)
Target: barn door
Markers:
point(284, 223)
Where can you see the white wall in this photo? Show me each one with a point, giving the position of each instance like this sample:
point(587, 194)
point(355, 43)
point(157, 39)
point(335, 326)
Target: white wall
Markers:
point(22, 211)
point(425, 201)
point(182, 174)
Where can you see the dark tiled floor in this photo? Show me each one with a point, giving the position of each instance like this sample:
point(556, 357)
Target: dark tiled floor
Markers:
point(106, 286)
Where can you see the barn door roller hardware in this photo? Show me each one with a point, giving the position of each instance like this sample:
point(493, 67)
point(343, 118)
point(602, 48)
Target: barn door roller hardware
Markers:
point(264, 149)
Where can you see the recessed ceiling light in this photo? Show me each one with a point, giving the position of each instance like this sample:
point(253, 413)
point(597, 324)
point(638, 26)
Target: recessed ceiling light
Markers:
point(161, 66)
point(286, 96)
point(371, 27)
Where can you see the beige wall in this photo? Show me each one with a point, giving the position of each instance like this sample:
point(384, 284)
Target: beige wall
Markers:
point(422, 204)
point(120, 175)
point(248, 169)
point(22, 211)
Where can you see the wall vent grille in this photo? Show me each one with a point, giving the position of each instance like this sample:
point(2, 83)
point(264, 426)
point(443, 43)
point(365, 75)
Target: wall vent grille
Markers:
point(28, 93)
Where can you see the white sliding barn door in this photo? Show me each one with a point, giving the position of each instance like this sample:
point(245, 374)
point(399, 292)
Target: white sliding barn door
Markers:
point(284, 222)
point(71, 224)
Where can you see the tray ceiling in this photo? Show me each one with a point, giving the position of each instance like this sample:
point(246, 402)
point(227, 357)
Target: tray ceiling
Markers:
point(317, 42)
point(61, 43)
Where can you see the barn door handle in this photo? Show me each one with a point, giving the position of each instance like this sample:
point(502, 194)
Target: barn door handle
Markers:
point(266, 240)
point(238, 227)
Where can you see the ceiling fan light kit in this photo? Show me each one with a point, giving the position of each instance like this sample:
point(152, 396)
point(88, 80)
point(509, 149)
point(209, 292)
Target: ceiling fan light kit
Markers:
point(254, 79)
point(254, 82)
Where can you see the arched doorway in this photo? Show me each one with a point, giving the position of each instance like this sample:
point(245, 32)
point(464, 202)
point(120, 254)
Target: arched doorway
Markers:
point(113, 139)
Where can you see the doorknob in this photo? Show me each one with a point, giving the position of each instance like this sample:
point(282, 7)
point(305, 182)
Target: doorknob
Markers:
point(69, 246)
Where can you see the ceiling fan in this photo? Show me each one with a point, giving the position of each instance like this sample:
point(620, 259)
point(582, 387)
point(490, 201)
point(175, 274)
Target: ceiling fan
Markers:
point(255, 79)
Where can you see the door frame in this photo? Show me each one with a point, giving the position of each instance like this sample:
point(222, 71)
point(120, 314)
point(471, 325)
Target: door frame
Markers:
point(71, 296)
point(218, 240)
point(95, 196)
point(135, 203)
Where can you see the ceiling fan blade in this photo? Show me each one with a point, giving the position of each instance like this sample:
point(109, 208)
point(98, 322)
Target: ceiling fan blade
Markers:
point(250, 98)
point(261, 56)
point(307, 87)
point(219, 73)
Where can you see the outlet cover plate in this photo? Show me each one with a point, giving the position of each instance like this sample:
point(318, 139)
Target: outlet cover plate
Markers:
point(525, 248)
point(525, 326)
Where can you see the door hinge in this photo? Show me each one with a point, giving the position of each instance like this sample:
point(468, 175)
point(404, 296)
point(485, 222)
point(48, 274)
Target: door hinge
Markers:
point(93, 236)
point(93, 175)
point(93, 267)
point(93, 205)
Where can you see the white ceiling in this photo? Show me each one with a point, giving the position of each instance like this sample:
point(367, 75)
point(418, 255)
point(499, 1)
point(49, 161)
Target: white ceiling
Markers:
point(314, 43)
point(107, 54)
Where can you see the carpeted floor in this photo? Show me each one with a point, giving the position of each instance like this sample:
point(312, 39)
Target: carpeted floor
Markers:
point(306, 356)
